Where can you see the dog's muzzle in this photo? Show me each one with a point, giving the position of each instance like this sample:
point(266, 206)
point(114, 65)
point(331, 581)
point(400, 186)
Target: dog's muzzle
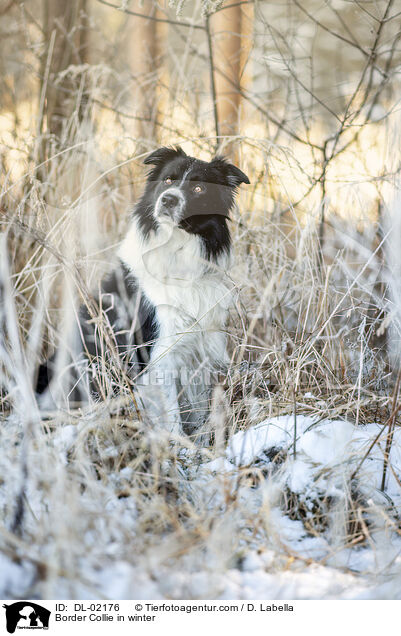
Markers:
point(170, 204)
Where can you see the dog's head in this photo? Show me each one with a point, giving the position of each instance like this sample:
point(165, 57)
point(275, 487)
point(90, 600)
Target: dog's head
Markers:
point(195, 195)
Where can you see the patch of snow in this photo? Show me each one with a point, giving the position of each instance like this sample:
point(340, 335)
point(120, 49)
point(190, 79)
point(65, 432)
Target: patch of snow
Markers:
point(123, 581)
point(15, 578)
point(65, 437)
point(275, 558)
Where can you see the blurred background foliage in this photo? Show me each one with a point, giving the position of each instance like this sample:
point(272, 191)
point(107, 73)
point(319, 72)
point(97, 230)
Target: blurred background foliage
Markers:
point(303, 95)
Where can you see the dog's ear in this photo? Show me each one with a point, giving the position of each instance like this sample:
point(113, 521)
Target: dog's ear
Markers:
point(160, 156)
point(234, 175)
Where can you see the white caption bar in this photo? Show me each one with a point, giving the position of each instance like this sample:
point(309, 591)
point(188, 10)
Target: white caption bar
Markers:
point(149, 617)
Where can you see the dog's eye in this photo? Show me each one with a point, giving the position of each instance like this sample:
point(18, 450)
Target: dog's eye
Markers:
point(198, 188)
point(168, 180)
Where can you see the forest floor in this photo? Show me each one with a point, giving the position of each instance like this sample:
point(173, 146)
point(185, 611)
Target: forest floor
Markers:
point(275, 512)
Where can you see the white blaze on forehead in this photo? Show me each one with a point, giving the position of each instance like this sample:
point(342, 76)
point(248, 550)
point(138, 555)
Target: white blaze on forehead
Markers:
point(174, 190)
point(186, 173)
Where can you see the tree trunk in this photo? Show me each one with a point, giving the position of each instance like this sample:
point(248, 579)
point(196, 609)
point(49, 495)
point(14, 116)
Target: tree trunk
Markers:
point(143, 50)
point(226, 25)
point(66, 34)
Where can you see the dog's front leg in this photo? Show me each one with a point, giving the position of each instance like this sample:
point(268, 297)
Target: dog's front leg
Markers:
point(158, 396)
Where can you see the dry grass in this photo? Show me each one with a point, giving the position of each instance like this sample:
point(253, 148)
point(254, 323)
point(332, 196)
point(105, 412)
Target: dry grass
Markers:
point(95, 503)
point(86, 490)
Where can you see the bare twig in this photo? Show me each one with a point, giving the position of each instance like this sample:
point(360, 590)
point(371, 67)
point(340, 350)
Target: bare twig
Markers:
point(152, 17)
point(391, 426)
point(212, 81)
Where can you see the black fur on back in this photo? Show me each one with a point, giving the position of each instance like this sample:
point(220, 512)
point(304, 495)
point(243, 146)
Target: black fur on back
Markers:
point(131, 319)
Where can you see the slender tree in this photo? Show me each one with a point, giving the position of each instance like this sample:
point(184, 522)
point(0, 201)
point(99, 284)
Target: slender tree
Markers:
point(226, 25)
point(66, 39)
point(143, 52)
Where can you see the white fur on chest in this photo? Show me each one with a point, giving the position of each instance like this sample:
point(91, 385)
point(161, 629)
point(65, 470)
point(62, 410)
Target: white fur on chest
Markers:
point(190, 294)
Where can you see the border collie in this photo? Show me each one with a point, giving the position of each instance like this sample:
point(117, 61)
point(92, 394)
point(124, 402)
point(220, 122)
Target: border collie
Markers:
point(168, 302)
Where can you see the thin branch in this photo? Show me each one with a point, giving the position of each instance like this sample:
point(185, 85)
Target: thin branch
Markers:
point(7, 7)
point(230, 6)
point(157, 123)
point(152, 17)
point(391, 426)
point(335, 34)
point(295, 76)
point(247, 96)
point(374, 441)
point(212, 79)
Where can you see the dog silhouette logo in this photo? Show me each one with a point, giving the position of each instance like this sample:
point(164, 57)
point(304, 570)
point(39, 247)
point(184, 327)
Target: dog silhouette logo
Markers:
point(26, 615)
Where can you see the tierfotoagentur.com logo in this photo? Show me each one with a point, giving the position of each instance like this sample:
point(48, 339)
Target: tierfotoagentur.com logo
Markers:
point(26, 615)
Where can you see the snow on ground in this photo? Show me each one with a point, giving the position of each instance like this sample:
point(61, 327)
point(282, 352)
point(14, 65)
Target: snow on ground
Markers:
point(278, 554)
point(325, 444)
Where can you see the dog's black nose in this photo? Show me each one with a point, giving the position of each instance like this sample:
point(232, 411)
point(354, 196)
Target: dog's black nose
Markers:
point(170, 200)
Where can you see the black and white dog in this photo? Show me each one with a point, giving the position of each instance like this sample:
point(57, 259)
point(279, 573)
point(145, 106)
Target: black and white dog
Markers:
point(168, 302)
